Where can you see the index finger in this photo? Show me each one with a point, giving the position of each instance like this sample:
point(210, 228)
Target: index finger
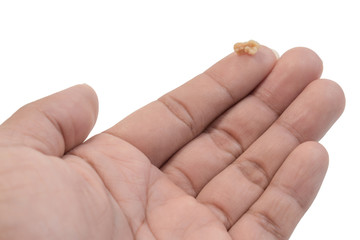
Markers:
point(162, 127)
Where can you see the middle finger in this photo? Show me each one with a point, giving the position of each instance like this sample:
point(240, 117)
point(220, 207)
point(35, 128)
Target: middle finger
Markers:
point(203, 158)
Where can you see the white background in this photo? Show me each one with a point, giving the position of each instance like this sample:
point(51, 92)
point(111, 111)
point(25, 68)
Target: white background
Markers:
point(131, 52)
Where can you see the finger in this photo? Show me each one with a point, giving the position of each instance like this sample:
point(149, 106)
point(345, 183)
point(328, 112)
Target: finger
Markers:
point(287, 198)
point(307, 118)
point(54, 124)
point(224, 140)
point(162, 127)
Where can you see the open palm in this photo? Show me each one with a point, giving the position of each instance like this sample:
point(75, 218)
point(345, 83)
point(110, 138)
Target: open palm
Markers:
point(230, 154)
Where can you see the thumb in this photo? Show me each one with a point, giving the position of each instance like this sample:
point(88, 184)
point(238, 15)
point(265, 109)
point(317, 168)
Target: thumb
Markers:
point(55, 124)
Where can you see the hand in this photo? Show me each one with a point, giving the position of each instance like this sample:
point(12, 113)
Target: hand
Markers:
point(231, 154)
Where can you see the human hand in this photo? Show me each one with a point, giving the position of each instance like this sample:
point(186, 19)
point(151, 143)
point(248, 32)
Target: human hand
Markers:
point(231, 154)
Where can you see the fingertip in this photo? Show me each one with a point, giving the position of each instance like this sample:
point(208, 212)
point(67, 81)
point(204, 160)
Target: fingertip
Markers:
point(89, 89)
point(313, 154)
point(263, 55)
point(74, 110)
point(306, 59)
point(93, 98)
point(332, 94)
point(336, 92)
point(315, 150)
point(84, 97)
point(54, 124)
point(276, 54)
point(269, 52)
point(88, 93)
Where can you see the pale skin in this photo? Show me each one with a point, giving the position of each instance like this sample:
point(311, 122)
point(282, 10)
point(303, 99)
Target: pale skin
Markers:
point(231, 154)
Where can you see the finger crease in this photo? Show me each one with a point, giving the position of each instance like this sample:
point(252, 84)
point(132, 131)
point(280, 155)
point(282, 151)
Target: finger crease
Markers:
point(253, 172)
point(298, 136)
point(218, 80)
point(180, 111)
point(57, 127)
point(267, 223)
point(291, 193)
point(52, 121)
point(220, 213)
point(260, 96)
point(225, 140)
point(190, 189)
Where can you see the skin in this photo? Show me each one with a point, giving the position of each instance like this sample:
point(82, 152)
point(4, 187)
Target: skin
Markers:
point(231, 154)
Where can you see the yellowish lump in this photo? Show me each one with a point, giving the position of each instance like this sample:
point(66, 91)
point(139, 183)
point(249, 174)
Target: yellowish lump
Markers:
point(250, 47)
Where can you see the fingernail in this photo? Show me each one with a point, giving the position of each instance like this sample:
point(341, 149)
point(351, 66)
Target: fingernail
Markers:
point(276, 53)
